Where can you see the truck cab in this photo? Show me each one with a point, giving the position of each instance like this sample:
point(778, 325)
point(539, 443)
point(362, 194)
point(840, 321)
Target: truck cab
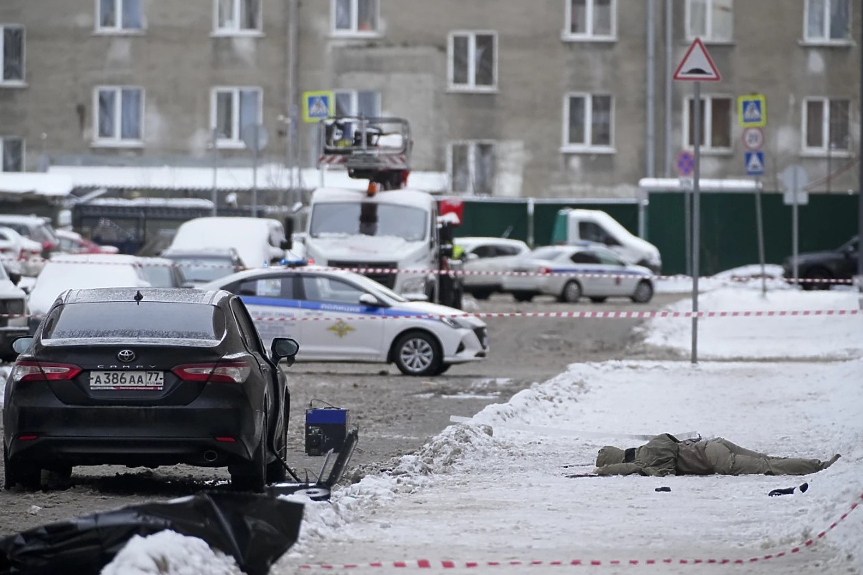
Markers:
point(389, 232)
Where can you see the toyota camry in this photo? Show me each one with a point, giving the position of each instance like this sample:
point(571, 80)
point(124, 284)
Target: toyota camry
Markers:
point(147, 377)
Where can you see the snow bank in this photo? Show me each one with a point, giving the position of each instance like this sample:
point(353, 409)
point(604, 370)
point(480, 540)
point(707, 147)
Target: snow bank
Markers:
point(818, 337)
point(169, 553)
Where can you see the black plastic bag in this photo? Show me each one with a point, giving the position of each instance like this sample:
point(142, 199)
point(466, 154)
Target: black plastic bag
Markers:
point(254, 529)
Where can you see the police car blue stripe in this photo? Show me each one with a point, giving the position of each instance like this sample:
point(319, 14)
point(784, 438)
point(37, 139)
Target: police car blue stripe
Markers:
point(615, 271)
point(323, 306)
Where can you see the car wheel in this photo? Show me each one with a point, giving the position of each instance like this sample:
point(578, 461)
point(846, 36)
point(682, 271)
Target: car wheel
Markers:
point(522, 295)
point(276, 472)
point(481, 294)
point(598, 299)
point(819, 275)
point(571, 292)
point(417, 353)
point(252, 475)
point(444, 367)
point(643, 292)
point(30, 477)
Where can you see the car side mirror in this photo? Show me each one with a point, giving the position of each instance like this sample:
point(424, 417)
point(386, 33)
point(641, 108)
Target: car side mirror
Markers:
point(287, 243)
point(22, 344)
point(370, 300)
point(283, 348)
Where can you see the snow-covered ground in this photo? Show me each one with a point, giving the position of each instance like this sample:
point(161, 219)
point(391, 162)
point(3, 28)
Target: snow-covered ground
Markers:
point(489, 491)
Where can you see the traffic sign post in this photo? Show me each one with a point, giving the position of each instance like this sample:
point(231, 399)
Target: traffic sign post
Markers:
point(256, 138)
point(753, 138)
point(318, 105)
point(794, 179)
point(753, 162)
point(685, 167)
point(696, 66)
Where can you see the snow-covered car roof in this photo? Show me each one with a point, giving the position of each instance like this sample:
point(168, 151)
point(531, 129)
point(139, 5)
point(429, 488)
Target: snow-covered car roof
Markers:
point(249, 236)
point(66, 271)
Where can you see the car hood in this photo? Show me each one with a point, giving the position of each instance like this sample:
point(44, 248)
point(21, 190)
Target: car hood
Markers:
point(359, 248)
point(815, 256)
point(423, 307)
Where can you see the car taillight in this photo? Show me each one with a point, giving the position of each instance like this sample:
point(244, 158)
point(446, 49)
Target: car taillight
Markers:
point(43, 371)
point(48, 245)
point(222, 371)
point(544, 270)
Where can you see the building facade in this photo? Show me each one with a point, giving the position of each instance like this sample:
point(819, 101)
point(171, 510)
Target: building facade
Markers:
point(548, 98)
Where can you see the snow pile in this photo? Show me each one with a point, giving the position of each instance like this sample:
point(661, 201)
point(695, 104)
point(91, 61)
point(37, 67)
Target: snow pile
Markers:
point(169, 553)
point(814, 337)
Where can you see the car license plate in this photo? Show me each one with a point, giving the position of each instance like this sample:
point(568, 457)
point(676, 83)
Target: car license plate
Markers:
point(152, 380)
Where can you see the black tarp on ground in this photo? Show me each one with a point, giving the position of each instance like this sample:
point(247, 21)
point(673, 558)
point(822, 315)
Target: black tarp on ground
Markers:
point(254, 529)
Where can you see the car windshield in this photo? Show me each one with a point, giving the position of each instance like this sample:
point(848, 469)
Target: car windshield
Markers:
point(546, 253)
point(144, 320)
point(158, 275)
point(369, 219)
point(204, 269)
point(374, 287)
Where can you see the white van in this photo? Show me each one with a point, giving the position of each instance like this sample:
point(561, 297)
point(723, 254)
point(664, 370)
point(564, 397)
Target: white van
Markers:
point(572, 226)
point(258, 241)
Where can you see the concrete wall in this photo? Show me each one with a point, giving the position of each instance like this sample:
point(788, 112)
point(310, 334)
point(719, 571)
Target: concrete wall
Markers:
point(178, 61)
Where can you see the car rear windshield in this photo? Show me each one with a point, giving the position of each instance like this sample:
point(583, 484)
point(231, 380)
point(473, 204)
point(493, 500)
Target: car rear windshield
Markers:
point(151, 320)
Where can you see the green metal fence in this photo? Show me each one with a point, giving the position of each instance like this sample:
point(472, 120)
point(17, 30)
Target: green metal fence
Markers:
point(728, 226)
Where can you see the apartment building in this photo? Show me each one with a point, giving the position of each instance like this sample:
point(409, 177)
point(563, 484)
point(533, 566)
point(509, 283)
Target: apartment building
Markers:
point(510, 98)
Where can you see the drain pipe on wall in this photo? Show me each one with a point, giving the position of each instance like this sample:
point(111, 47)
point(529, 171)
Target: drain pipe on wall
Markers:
point(650, 151)
point(291, 91)
point(669, 22)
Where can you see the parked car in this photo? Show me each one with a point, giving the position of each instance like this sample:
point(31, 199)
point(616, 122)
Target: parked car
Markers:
point(821, 268)
point(34, 228)
point(550, 271)
point(163, 273)
point(258, 241)
point(342, 303)
point(488, 255)
point(147, 377)
point(29, 260)
point(75, 243)
point(200, 266)
point(65, 271)
point(13, 315)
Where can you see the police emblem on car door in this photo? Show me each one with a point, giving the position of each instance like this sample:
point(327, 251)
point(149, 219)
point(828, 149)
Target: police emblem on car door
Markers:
point(336, 325)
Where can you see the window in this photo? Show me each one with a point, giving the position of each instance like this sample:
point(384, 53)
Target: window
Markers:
point(358, 103)
point(232, 110)
point(119, 15)
point(330, 290)
point(715, 122)
point(473, 61)
point(472, 167)
point(355, 16)
point(237, 16)
point(588, 121)
point(827, 21)
point(590, 19)
point(710, 20)
point(11, 54)
point(11, 155)
point(826, 125)
point(594, 232)
point(119, 116)
point(584, 258)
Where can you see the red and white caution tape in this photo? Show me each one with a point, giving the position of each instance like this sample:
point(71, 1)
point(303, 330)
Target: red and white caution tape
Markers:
point(463, 273)
point(446, 564)
point(558, 314)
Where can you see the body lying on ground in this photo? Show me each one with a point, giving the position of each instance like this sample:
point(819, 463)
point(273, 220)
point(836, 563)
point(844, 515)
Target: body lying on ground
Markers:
point(666, 455)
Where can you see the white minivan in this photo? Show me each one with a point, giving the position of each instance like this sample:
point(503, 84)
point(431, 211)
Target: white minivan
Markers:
point(573, 226)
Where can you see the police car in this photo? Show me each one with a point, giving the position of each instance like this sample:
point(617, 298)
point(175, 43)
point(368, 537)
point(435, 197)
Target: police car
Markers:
point(343, 316)
point(570, 272)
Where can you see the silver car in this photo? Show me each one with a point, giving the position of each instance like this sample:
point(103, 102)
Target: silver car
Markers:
point(570, 272)
point(485, 259)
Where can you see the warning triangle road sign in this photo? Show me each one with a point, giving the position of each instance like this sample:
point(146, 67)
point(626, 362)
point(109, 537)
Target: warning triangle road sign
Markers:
point(697, 66)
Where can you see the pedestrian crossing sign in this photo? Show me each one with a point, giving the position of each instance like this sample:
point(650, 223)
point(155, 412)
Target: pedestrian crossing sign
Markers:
point(752, 111)
point(317, 105)
point(754, 162)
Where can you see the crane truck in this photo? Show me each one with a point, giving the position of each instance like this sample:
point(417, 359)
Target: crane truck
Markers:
point(394, 234)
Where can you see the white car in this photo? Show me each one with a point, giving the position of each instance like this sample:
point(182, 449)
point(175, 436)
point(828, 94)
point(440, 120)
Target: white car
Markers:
point(488, 255)
point(13, 321)
point(66, 271)
point(342, 316)
point(570, 272)
point(20, 255)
